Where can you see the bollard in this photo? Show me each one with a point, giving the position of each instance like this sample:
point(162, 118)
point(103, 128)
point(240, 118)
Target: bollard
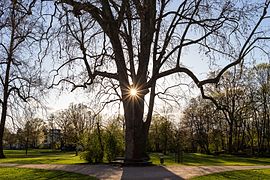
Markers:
point(161, 157)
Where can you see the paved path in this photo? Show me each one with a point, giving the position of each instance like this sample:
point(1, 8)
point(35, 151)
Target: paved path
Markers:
point(141, 173)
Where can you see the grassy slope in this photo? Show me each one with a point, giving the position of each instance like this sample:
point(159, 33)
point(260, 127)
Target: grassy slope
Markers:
point(41, 157)
point(197, 159)
point(33, 174)
point(239, 175)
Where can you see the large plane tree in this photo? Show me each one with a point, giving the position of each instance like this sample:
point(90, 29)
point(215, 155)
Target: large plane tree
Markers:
point(132, 44)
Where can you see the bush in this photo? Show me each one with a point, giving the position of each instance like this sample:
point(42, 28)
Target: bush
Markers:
point(110, 147)
point(92, 156)
point(94, 151)
point(86, 155)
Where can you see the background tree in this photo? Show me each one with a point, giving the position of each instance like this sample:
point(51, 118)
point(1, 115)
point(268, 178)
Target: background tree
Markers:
point(20, 136)
point(80, 117)
point(239, 121)
point(9, 138)
point(33, 132)
point(233, 103)
point(50, 132)
point(133, 44)
point(259, 96)
point(161, 134)
point(201, 122)
point(19, 28)
point(67, 130)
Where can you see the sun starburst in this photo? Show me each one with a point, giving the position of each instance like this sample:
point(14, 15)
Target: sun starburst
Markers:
point(133, 92)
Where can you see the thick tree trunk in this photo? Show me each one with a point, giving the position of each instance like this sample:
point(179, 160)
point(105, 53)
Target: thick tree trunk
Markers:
point(136, 139)
point(136, 131)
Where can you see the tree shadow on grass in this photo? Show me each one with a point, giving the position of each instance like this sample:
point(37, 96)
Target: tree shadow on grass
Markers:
point(201, 159)
point(148, 173)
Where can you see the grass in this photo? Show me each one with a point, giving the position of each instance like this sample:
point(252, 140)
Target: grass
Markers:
point(197, 159)
point(40, 156)
point(168, 159)
point(37, 156)
point(239, 175)
point(29, 174)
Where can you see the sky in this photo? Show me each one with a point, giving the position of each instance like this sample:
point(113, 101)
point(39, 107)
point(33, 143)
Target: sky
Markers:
point(57, 100)
point(192, 59)
point(61, 100)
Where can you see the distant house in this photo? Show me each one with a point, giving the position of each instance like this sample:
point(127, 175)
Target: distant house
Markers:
point(52, 138)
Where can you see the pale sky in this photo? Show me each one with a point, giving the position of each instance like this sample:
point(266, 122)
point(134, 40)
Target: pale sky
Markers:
point(198, 63)
point(58, 101)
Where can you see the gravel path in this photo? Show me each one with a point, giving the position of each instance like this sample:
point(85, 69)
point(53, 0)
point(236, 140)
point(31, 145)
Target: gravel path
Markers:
point(129, 173)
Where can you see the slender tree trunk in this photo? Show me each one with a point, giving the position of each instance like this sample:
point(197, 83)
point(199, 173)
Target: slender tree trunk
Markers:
point(100, 139)
point(6, 82)
point(4, 106)
point(259, 136)
point(165, 142)
point(268, 131)
point(26, 145)
point(52, 143)
point(2, 128)
point(230, 148)
point(4, 109)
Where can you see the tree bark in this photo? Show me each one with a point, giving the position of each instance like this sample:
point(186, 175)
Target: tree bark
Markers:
point(136, 130)
point(100, 139)
point(230, 148)
point(2, 128)
point(5, 105)
point(6, 82)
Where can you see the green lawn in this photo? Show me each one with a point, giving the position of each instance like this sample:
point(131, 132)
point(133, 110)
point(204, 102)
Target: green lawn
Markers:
point(33, 174)
point(37, 156)
point(193, 159)
point(197, 159)
point(258, 174)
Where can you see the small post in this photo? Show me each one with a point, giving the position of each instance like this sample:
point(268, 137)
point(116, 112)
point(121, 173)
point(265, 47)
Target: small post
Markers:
point(76, 149)
point(161, 158)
